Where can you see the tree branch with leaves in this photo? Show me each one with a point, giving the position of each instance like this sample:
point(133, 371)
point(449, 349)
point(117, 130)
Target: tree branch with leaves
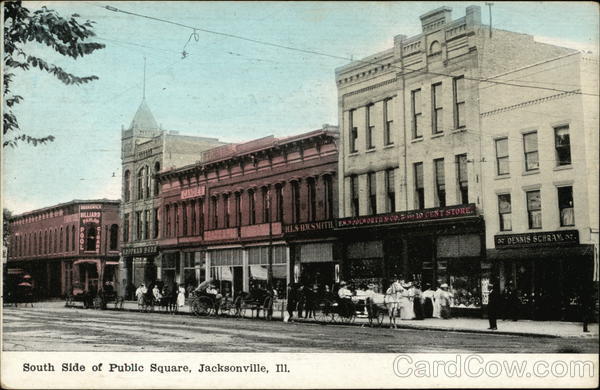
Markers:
point(66, 36)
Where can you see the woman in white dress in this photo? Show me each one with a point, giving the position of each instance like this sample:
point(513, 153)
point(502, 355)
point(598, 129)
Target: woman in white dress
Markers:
point(181, 296)
point(408, 312)
point(437, 302)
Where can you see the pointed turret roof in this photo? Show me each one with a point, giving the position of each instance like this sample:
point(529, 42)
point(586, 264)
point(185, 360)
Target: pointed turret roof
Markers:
point(143, 119)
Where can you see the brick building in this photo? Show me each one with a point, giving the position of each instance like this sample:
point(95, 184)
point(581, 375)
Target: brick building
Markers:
point(146, 149)
point(74, 243)
point(226, 218)
point(417, 188)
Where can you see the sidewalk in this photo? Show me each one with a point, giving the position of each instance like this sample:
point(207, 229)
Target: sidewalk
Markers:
point(471, 325)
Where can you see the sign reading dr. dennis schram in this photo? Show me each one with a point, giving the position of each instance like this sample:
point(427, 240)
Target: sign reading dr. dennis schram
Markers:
point(560, 237)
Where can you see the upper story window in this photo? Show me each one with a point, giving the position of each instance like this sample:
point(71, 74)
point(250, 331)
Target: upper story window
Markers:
point(562, 143)
point(167, 214)
point(462, 178)
point(251, 207)
point(459, 102)
point(502, 164)
point(505, 212)
point(176, 222)
point(279, 200)
point(530, 146)
point(354, 195)
point(296, 200)
point(435, 48)
point(312, 199)
point(266, 204)
point(437, 111)
point(213, 212)
point(127, 186)
point(440, 182)
point(156, 224)
point(227, 208)
point(370, 125)
point(390, 184)
point(388, 122)
point(184, 214)
point(372, 186)
point(140, 184)
point(328, 196)
point(419, 189)
point(138, 225)
point(238, 209)
point(90, 239)
point(565, 206)
point(417, 126)
point(534, 209)
point(156, 182)
point(147, 181)
point(114, 237)
point(353, 136)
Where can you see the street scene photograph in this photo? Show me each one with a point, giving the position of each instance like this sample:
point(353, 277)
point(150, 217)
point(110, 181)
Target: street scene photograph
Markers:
point(300, 177)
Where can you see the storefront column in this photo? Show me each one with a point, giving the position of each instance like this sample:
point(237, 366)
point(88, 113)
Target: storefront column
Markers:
point(245, 276)
point(303, 186)
point(206, 268)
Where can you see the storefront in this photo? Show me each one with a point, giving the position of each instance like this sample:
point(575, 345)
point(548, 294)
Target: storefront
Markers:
point(140, 265)
point(430, 247)
point(313, 254)
point(547, 270)
point(182, 267)
point(88, 274)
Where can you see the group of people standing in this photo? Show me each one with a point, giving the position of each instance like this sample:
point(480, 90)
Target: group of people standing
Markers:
point(413, 303)
point(175, 293)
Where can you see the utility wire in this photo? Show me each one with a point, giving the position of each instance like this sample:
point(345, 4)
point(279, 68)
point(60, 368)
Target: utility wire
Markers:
point(323, 54)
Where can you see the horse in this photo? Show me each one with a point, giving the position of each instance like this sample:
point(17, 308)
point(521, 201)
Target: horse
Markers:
point(392, 302)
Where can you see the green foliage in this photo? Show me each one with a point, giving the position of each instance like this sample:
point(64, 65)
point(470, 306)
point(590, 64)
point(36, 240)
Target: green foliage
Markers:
point(66, 36)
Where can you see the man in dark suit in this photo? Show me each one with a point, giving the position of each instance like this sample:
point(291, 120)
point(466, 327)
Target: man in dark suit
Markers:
point(493, 306)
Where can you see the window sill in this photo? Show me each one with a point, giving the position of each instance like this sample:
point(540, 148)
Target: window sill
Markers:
point(501, 177)
point(459, 130)
point(533, 172)
point(352, 154)
point(370, 150)
point(389, 146)
point(563, 167)
point(437, 135)
point(414, 141)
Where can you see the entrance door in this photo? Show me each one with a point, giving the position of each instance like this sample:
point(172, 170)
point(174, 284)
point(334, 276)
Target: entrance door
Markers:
point(238, 279)
point(321, 274)
point(548, 290)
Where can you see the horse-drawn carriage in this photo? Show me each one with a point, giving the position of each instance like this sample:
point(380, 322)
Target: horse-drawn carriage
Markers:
point(93, 299)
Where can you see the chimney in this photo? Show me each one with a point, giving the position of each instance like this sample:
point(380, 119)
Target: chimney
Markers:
point(473, 16)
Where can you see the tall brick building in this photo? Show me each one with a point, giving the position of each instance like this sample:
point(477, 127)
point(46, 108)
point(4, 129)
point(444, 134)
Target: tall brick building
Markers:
point(73, 243)
point(227, 217)
point(146, 149)
point(418, 190)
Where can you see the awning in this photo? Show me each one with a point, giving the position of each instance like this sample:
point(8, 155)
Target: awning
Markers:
point(540, 253)
point(86, 261)
point(112, 263)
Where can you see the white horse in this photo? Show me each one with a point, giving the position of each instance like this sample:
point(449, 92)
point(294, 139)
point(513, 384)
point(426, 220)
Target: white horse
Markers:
point(392, 302)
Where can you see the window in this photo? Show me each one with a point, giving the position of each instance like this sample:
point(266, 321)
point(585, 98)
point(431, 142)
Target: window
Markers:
point(505, 212)
point(156, 182)
point(370, 125)
point(530, 145)
point(459, 102)
point(328, 196)
point(312, 199)
point(213, 213)
point(372, 186)
point(140, 183)
point(563, 145)
point(184, 213)
point(534, 209)
point(436, 109)
point(266, 205)
point(565, 206)
point(296, 200)
point(66, 239)
point(62, 240)
point(146, 224)
point(353, 132)
point(147, 181)
point(176, 221)
point(440, 182)
point(502, 167)
point(156, 224)
point(73, 238)
point(462, 178)
point(138, 225)
point(391, 190)
point(90, 243)
point(167, 214)
point(279, 195)
point(416, 113)
point(251, 207)
point(354, 195)
point(127, 186)
point(114, 237)
point(200, 215)
point(388, 122)
point(238, 209)
point(419, 190)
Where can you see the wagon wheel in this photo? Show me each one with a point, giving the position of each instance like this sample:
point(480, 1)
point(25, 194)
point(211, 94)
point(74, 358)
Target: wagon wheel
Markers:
point(201, 306)
point(268, 308)
point(324, 313)
point(237, 308)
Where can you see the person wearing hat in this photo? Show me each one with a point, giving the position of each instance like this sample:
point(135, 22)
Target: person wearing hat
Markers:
point(445, 301)
point(493, 306)
point(437, 302)
point(345, 296)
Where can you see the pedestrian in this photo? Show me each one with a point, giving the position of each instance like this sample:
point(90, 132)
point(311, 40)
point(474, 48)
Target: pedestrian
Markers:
point(140, 293)
point(437, 299)
point(345, 296)
point(407, 312)
point(428, 301)
point(417, 302)
point(292, 298)
point(586, 305)
point(493, 306)
point(181, 296)
point(445, 302)
point(510, 302)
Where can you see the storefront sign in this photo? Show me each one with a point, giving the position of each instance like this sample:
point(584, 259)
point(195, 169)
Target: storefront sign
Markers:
point(193, 192)
point(90, 207)
point(309, 227)
point(142, 250)
point(410, 216)
point(537, 239)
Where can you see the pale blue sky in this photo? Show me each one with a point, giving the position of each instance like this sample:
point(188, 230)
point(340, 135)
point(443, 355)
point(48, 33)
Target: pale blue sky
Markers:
point(226, 88)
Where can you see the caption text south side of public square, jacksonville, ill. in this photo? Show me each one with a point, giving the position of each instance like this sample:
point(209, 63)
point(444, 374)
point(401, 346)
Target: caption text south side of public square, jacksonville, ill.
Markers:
point(250, 368)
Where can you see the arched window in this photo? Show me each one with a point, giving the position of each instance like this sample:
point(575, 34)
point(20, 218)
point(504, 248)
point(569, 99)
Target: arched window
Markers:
point(46, 242)
point(114, 236)
point(147, 181)
point(73, 238)
point(140, 183)
point(55, 240)
point(127, 186)
point(312, 199)
point(62, 240)
point(435, 47)
point(156, 184)
point(67, 239)
point(90, 242)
